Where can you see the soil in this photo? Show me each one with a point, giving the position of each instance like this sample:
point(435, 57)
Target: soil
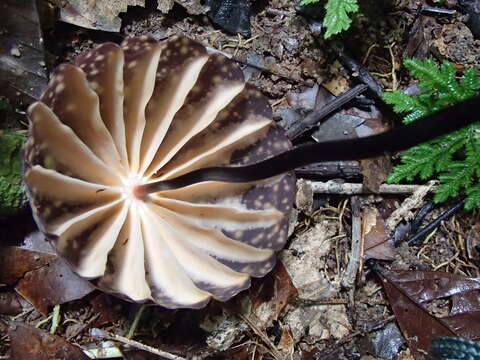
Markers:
point(325, 310)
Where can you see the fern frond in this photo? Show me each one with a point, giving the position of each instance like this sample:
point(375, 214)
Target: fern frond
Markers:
point(453, 158)
point(336, 18)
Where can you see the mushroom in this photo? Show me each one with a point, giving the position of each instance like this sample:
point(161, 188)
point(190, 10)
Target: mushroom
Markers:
point(122, 117)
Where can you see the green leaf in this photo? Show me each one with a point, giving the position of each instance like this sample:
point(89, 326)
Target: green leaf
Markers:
point(336, 18)
point(308, 2)
point(454, 159)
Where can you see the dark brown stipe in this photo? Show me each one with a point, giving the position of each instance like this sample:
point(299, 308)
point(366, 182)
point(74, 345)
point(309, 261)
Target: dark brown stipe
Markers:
point(441, 123)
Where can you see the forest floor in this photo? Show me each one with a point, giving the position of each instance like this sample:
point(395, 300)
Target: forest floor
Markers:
point(324, 299)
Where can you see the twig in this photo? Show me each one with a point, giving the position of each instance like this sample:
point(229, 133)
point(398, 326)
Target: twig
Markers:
point(316, 115)
point(332, 187)
point(438, 10)
point(55, 319)
point(435, 223)
point(353, 266)
point(101, 334)
point(262, 336)
point(356, 67)
point(136, 320)
point(420, 216)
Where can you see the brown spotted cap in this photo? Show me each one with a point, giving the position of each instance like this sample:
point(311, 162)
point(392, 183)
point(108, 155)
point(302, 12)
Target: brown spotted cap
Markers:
point(122, 116)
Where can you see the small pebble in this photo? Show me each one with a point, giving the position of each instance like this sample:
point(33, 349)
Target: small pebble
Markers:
point(15, 52)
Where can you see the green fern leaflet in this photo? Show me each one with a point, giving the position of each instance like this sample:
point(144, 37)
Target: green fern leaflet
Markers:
point(336, 17)
point(454, 159)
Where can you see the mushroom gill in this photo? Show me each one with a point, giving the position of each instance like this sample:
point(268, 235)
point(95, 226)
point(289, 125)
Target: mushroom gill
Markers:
point(124, 116)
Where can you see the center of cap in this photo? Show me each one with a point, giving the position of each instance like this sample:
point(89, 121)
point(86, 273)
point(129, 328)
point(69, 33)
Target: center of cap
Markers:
point(131, 186)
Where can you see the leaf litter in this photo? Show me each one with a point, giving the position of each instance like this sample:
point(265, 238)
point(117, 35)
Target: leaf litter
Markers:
point(276, 315)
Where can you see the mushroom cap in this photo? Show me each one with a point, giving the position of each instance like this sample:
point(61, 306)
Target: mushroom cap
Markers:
point(123, 116)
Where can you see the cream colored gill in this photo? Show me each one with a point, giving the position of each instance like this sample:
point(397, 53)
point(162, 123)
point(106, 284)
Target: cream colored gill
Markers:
point(198, 120)
point(89, 257)
point(81, 107)
point(219, 152)
point(111, 100)
point(52, 185)
point(210, 240)
point(206, 191)
point(138, 90)
point(125, 272)
point(198, 265)
point(91, 214)
point(163, 106)
point(165, 268)
point(62, 146)
point(227, 217)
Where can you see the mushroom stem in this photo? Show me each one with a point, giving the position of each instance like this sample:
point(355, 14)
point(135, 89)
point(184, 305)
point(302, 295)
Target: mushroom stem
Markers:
point(443, 122)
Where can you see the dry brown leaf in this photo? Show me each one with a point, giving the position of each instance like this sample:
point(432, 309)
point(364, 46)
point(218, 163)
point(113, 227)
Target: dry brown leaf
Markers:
point(409, 293)
point(16, 262)
point(96, 14)
point(52, 284)
point(35, 344)
point(375, 239)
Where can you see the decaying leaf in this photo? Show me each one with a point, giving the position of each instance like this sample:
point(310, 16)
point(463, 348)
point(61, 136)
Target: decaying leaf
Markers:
point(22, 72)
point(409, 293)
point(52, 284)
point(27, 342)
point(16, 262)
point(103, 15)
point(41, 278)
point(377, 244)
point(95, 14)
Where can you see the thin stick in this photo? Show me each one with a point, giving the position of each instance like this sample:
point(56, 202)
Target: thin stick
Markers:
point(101, 334)
point(355, 254)
point(336, 188)
point(435, 223)
point(55, 319)
point(276, 354)
point(136, 320)
point(357, 68)
point(316, 115)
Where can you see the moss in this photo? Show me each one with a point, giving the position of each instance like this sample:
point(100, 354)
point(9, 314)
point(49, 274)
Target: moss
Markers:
point(12, 196)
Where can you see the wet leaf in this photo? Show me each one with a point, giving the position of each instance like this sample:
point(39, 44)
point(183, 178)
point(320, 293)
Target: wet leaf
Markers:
point(40, 276)
point(16, 262)
point(10, 303)
point(276, 291)
point(409, 293)
point(376, 242)
point(35, 344)
point(52, 284)
point(22, 72)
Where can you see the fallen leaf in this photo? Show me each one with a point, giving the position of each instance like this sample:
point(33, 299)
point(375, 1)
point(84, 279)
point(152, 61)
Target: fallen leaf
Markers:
point(96, 14)
point(16, 262)
point(27, 342)
point(52, 284)
point(22, 72)
point(11, 303)
point(409, 293)
point(377, 244)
